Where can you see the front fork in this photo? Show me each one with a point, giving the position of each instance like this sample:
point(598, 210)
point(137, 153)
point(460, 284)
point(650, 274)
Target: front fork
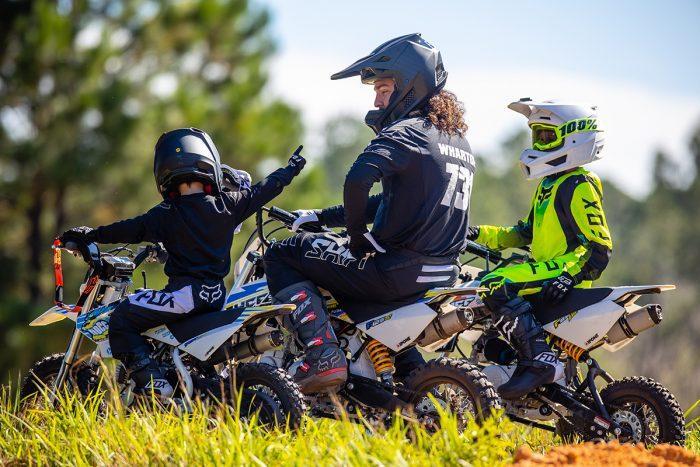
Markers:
point(68, 361)
point(72, 350)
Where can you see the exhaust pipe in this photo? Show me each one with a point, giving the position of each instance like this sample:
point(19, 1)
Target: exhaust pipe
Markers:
point(446, 326)
point(629, 326)
point(256, 345)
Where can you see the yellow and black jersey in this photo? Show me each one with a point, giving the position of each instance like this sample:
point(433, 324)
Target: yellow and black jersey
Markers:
point(566, 223)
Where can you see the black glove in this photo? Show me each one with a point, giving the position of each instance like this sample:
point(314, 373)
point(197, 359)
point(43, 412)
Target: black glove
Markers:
point(235, 179)
point(362, 244)
point(297, 161)
point(554, 290)
point(473, 232)
point(81, 237)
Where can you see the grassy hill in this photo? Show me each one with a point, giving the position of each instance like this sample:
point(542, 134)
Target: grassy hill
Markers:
point(78, 435)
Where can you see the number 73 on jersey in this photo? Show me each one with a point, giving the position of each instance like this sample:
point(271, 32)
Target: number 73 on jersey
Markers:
point(458, 196)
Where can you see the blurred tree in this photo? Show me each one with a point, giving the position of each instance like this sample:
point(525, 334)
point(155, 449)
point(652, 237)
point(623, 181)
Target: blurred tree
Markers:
point(344, 139)
point(86, 87)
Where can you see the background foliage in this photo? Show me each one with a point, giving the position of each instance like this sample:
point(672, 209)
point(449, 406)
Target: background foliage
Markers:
point(86, 87)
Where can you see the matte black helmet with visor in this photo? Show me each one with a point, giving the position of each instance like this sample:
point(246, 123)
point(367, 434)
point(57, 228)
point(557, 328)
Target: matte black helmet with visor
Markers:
point(185, 155)
point(414, 65)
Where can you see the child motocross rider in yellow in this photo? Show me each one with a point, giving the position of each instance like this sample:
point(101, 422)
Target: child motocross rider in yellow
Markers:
point(566, 229)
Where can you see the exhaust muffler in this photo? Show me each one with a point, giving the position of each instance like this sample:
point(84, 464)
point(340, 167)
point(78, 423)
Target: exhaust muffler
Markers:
point(630, 325)
point(445, 326)
point(256, 345)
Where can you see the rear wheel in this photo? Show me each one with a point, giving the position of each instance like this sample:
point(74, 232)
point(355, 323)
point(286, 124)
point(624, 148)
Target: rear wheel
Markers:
point(458, 387)
point(270, 393)
point(646, 411)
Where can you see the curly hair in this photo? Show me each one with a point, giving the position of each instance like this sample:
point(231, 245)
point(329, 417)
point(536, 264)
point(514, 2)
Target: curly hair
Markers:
point(446, 113)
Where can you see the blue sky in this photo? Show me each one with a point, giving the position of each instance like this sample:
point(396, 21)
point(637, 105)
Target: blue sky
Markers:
point(638, 61)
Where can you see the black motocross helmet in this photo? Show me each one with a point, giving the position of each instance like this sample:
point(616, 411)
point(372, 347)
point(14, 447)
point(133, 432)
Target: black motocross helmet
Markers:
point(183, 155)
point(416, 67)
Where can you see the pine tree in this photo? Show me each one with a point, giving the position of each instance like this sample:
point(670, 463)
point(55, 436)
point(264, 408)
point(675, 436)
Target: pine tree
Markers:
point(86, 87)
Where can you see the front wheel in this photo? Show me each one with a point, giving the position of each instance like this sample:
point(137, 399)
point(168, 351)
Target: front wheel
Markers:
point(646, 411)
point(458, 387)
point(270, 393)
point(41, 376)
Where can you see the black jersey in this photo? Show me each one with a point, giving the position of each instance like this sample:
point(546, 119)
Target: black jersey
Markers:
point(426, 181)
point(196, 230)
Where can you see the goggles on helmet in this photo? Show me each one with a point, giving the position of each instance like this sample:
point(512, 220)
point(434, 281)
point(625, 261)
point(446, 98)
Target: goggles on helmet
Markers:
point(547, 137)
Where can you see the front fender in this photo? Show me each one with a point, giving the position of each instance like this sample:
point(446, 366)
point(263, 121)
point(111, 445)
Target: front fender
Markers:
point(53, 315)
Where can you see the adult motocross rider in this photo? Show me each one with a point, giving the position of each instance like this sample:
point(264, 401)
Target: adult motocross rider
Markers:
point(420, 219)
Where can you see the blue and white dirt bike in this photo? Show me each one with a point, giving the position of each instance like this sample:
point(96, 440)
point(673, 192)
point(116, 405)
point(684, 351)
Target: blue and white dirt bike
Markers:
point(190, 351)
point(371, 346)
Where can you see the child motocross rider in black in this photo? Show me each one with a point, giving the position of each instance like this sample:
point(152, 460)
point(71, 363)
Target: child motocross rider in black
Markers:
point(196, 223)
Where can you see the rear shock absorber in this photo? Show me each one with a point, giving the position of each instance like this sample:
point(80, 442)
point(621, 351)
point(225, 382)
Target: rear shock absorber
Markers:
point(572, 350)
point(382, 361)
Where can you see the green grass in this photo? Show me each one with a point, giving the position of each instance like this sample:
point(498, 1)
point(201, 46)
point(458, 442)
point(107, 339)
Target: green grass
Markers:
point(78, 435)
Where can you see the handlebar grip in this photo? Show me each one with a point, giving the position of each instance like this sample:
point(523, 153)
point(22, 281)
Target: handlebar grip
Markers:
point(480, 250)
point(73, 246)
point(282, 215)
point(140, 258)
point(160, 253)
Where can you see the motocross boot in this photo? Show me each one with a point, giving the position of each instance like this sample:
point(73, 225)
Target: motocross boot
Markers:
point(537, 364)
point(147, 375)
point(324, 366)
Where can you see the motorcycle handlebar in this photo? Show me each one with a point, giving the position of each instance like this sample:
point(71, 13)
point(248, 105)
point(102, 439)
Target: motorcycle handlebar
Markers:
point(141, 257)
point(281, 215)
point(151, 250)
point(72, 247)
point(288, 219)
point(482, 251)
point(90, 252)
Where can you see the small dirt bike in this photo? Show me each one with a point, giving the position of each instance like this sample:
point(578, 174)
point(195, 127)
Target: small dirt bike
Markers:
point(635, 409)
point(188, 351)
point(457, 386)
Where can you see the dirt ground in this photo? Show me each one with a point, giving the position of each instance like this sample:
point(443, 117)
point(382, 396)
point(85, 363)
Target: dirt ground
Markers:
point(611, 454)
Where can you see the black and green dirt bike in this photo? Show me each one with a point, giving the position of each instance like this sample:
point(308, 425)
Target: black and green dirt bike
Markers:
point(634, 409)
point(190, 351)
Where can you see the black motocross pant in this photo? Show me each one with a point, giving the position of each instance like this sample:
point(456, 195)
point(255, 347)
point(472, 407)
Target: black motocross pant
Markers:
point(364, 288)
point(147, 308)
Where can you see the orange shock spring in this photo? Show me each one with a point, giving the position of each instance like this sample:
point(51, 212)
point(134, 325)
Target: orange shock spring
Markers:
point(572, 350)
point(382, 361)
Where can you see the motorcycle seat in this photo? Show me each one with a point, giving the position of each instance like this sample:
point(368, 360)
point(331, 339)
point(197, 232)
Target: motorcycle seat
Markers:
point(576, 300)
point(197, 325)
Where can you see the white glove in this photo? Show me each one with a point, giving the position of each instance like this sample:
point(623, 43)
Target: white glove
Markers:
point(246, 179)
point(374, 243)
point(304, 216)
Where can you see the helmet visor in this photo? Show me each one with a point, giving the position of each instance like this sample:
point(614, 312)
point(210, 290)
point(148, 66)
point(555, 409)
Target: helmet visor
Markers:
point(546, 137)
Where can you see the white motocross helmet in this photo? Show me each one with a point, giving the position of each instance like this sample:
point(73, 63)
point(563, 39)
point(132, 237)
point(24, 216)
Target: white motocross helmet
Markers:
point(564, 136)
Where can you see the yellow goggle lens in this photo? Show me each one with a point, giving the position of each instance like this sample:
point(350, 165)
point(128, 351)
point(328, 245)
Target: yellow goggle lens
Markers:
point(546, 137)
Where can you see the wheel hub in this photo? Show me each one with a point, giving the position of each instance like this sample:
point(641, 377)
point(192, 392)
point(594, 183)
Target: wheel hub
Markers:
point(631, 422)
